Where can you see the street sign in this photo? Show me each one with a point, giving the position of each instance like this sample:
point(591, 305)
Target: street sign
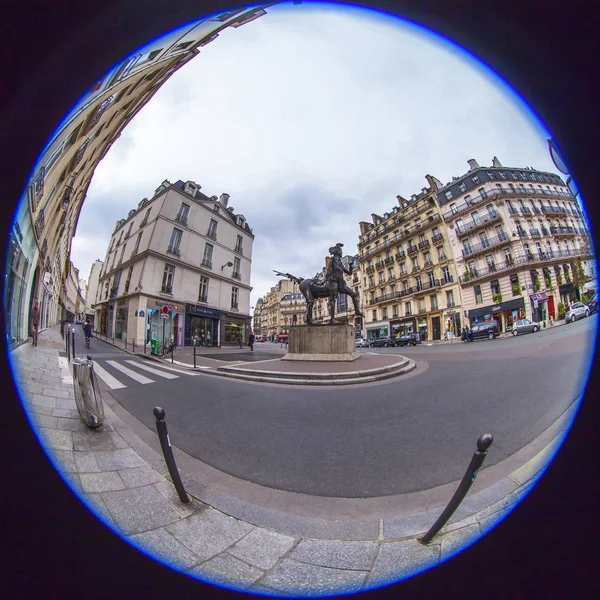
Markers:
point(141, 313)
point(534, 297)
point(165, 310)
point(164, 316)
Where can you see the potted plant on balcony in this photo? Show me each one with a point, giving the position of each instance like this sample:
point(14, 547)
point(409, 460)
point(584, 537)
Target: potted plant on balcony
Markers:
point(516, 289)
point(466, 275)
point(548, 281)
point(536, 286)
point(498, 298)
point(559, 279)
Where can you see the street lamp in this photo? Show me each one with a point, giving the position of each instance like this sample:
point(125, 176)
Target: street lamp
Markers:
point(227, 264)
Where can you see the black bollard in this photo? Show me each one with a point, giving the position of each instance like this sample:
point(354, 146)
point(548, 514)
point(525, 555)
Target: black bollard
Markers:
point(165, 444)
point(125, 342)
point(483, 443)
point(113, 339)
point(172, 352)
point(68, 344)
point(133, 342)
point(194, 355)
point(73, 341)
point(144, 346)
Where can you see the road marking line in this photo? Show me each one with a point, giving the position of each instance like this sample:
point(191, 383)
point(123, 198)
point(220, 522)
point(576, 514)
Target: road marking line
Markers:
point(129, 372)
point(179, 370)
point(112, 382)
point(151, 370)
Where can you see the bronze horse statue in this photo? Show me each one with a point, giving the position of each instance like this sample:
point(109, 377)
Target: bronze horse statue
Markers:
point(330, 287)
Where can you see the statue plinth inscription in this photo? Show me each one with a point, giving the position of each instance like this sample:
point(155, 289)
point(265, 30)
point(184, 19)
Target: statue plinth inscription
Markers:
point(309, 343)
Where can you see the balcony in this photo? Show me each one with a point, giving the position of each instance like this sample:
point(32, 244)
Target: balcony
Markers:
point(483, 221)
point(234, 306)
point(563, 231)
point(451, 304)
point(522, 233)
point(554, 210)
point(535, 233)
point(389, 260)
point(370, 269)
point(400, 255)
point(485, 245)
point(412, 250)
point(437, 239)
point(236, 275)
point(428, 263)
point(143, 222)
point(207, 263)
point(423, 244)
point(525, 211)
point(379, 265)
point(174, 250)
point(501, 193)
point(203, 299)
point(512, 211)
point(536, 210)
point(545, 231)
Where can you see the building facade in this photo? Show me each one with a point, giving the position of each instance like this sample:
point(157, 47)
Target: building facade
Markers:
point(515, 234)
point(47, 215)
point(178, 267)
point(409, 277)
point(92, 290)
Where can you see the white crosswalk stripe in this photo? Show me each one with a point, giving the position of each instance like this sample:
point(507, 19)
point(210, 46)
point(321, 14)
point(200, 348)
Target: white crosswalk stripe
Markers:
point(151, 370)
point(129, 372)
point(180, 371)
point(112, 382)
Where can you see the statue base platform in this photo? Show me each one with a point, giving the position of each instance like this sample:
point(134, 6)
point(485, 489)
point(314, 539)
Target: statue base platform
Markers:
point(317, 343)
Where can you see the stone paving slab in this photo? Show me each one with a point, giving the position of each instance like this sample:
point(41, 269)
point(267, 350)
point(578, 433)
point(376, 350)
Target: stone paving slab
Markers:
point(263, 548)
point(160, 543)
point(358, 556)
point(227, 570)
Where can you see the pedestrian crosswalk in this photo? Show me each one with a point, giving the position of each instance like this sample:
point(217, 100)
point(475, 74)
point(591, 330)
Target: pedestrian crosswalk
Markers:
point(117, 374)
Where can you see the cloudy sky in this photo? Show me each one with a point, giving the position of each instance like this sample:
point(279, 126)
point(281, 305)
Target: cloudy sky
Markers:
point(311, 118)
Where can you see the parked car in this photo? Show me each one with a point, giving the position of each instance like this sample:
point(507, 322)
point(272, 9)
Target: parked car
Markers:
point(593, 303)
point(380, 341)
point(577, 310)
point(487, 330)
point(525, 326)
point(362, 343)
point(262, 339)
point(282, 338)
point(410, 339)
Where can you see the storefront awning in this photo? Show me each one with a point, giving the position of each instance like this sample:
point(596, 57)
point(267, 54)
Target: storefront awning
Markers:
point(497, 308)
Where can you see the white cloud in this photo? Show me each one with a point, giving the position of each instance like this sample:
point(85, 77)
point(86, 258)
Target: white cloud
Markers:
point(311, 118)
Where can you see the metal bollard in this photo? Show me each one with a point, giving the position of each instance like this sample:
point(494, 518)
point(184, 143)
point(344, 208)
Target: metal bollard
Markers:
point(68, 344)
point(194, 356)
point(483, 443)
point(165, 444)
point(125, 342)
point(133, 342)
point(144, 346)
point(113, 339)
point(172, 353)
point(73, 341)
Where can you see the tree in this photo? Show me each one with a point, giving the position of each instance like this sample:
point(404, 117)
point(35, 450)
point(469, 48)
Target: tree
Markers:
point(580, 278)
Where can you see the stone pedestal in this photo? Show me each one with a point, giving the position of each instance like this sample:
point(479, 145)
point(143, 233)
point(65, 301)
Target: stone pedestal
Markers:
point(322, 343)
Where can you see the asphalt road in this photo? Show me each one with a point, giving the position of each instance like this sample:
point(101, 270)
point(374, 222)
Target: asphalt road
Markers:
point(379, 439)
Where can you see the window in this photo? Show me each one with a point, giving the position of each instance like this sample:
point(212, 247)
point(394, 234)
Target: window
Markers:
point(235, 292)
point(384, 313)
point(407, 309)
point(491, 175)
point(495, 287)
point(237, 268)
point(402, 268)
point(381, 277)
point(128, 280)
point(446, 274)
point(453, 208)
point(450, 298)
point(467, 247)
point(137, 243)
point(212, 229)
point(475, 178)
point(129, 230)
point(441, 254)
point(462, 187)
point(371, 281)
point(182, 215)
point(490, 262)
point(207, 257)
point(415, 262)
point(395, 310)
point(448, 195)
point(374, 315)
point(478, 297)
point(503, 174)
point(167, 281)
point(418, 283)
point(203, 290)
point(434, 302)
point(459, 225)
point(428, 260)
point(145, 219)
point(122, 253)
point(175, 242)
point(238, 245)
point(391, 273)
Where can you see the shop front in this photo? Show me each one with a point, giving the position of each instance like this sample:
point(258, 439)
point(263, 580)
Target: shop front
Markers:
point(452, 324)
point(506, 313)
point(401, 327)
point(567, 293)
point(165, 325)
point(201, 325)
point(121, 313)
point(542, 307)
point(436, 326)
point(232, 326)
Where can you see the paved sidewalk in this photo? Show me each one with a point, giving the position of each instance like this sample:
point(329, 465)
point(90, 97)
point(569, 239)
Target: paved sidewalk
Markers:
point(131, 491)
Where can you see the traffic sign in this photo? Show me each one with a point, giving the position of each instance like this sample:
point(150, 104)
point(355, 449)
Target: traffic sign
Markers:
point(165, 310)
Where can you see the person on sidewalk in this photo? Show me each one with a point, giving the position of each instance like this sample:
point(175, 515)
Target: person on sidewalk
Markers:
point(87, 330)
point(35, 322)
point(240, 339)
point(251, 339)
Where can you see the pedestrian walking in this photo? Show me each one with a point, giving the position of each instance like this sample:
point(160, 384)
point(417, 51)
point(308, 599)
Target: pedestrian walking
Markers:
point(251, 339)
point(240, 340)
point(35, 322)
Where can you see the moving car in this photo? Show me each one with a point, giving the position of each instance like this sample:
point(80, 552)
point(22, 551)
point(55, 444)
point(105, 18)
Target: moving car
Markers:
point(262, 339)
point(525, 326)
point(380, 341)
point(362, 343)
point(410, 339)
point(577, 310)
point(593, 303)
point(487, 330)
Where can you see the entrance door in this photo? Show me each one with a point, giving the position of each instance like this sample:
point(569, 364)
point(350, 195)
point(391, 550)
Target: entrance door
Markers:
point(551, 312)
point(436, 333)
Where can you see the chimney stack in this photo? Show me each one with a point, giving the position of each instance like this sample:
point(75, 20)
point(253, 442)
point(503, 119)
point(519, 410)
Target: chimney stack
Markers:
point(472, 164)
point(224, 199)
point(496, 162)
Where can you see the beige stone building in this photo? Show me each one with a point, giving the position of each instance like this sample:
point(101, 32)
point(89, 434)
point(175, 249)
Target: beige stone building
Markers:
point(514, 234)
point(47, 215)
point(410, 283)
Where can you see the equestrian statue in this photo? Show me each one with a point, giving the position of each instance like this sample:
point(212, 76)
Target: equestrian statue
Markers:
point(330, 286)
